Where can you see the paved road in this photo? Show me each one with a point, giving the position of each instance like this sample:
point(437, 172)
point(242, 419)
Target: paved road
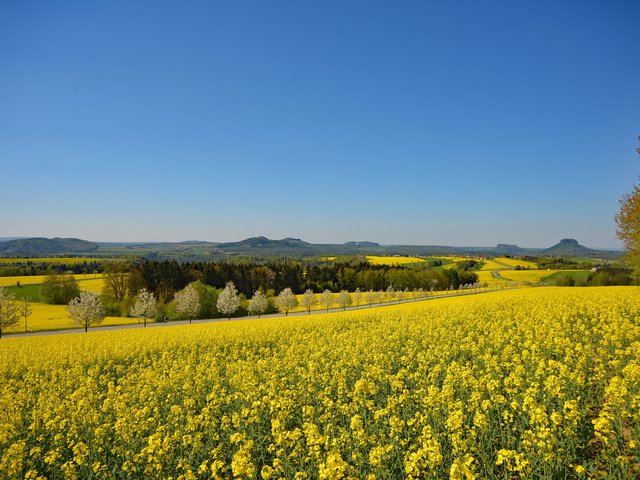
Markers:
point(214, 320)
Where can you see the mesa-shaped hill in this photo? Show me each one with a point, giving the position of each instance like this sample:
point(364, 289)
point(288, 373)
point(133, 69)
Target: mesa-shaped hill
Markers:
point(568, 247)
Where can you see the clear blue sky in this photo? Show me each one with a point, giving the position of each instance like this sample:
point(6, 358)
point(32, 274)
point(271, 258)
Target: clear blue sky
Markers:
point(417, 122)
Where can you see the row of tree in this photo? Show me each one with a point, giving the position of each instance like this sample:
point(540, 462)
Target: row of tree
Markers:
point(21, 268)
point(196, 301)
point(603, 277)
point(166, 278)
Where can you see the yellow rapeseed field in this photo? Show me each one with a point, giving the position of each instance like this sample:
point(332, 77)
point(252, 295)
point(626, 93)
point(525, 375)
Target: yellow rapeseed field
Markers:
point(38, 279)
point(493, 265)
point(379, 260)
point(485, 276)
point(91, 284)
point(514, 262)
point(54, 317)
point(66, 260)
point(531, 383)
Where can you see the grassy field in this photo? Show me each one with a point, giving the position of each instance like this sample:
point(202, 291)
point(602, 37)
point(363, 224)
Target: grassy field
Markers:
point(546, 276)
point(531, 383)
point(575, 274)
point(528, 276)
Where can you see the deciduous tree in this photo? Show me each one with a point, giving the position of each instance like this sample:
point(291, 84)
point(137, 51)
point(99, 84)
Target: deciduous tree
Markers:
point(628, 221)
point(228, 300)
point(25, 311)
point(309, 300)
point(59, 289)
point(344, 299)
point(144, 306)
point(258, 304)
point(86, 310)
point(357, 297)
point(9, 310)
point(116, 281)
point(187, 302)
point(326, 299)
point(371, 297)
point(286, 301)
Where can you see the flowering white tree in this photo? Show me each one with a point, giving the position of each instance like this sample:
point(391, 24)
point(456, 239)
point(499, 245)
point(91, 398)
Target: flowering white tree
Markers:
point(357, 297)
point(228, 301)
point(9, 310)
point(187, 302)
point(326, 299)
point(309, 300)
point(86, 310)
point(144, 306)
point(344, 299)
point(286, 301)
point(391, 293)
point(371, 297)
point(25, 311)
point(258, 304)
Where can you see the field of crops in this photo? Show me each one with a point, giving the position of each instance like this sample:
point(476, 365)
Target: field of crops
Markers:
point(529, 276)
point(514, 262)
point(492, 265)
point(65, 260)
point(532, 383)
point(377, 260)
point(38, 279)
point(485, 276)
point(575, 274)
point(54, 317)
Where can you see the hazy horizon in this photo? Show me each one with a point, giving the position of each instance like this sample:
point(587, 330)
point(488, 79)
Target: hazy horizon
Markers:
point(595, 247)
point(415, 123)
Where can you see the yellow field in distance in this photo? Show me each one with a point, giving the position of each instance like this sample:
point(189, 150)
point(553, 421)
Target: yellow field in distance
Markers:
point(485, 276)
point(514, 262)
point(38, 279)
point(492, 265)
point(67, 260)
point(376, 260)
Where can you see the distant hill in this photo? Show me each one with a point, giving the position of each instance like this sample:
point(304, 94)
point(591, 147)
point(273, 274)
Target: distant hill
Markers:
point(46, 246)
point(508, 249)
point(568, 247)
point(263, 247)
point(362, 244)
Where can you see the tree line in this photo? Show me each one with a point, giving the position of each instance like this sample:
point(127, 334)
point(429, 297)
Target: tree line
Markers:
point(31, 267)
point(166, 278)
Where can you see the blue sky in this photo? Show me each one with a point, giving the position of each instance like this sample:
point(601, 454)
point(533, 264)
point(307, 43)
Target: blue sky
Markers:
point(458, 123)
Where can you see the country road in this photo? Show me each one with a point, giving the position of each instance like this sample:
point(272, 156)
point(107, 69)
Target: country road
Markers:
point(255, 317)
